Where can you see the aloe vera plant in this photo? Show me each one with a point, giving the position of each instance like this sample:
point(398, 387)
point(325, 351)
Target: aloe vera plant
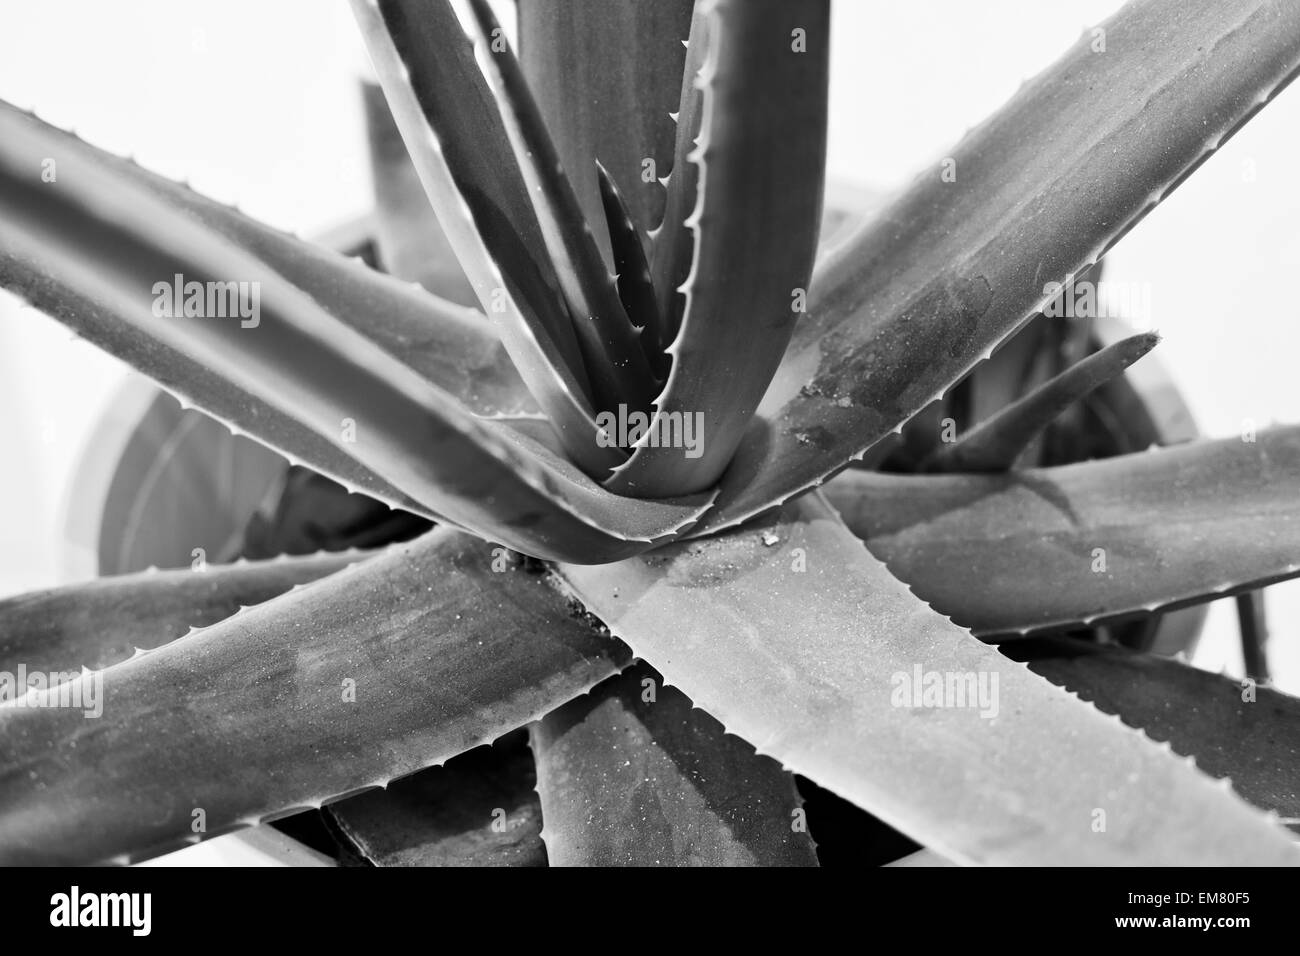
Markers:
point(639, 434)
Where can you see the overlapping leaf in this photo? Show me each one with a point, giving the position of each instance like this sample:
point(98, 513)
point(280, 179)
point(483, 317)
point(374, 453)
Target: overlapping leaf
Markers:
point(1050, 548)
point(616, 365)
point(449, 345)
point(1041, 190)
point(995, 443)
point(761, 156)
point(93, 247)
point(633, 775)
point(103, 622)
point(632, 268)
point(1236, 730)
point(342, 685)
point(798, 640)
point(455, 135)
point(607, 75)
point(479, 809)
point(411, 243)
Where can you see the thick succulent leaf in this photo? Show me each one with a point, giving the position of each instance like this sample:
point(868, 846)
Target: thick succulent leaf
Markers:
point(93, 248)
point(633, 775)
point(449, 345)
point(453, 131)
point(105, 621)
point(394, 665)
point(995, 443)
point(1042, 189)
point(632, 268)
point(1066, 344)
point(1021, 363)
point(798, 640)
point(636, 281)
point(616, 366)
point(673, 243)
point(1043, 347)
point(607, 74)
point(40, 266)
point(761, 155)
point(423, 332)
point(1052, 548)
point(1236, 730)
point(411, 243)
point(479, 809)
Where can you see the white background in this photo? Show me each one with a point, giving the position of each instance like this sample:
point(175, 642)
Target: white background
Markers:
point(254, 101)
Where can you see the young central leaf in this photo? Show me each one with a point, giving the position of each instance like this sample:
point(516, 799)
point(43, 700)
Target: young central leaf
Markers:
point(753, 178)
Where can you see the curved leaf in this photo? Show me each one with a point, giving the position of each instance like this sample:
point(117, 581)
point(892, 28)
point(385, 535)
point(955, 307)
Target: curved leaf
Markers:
point(1052, 548)
point(453, 347)
point(339, 686)
point(453, 132)
point(1042, 188)
point(105, 621)
point(761, 157)
point(410, 242)
point(607, 74)
point(798, 640)
point(1235, 730)
point(479, 809)
point(616, 366)
point(632, 269)
point(94, 248)
point(630, 781)
point(995, 443)
point(673, 243)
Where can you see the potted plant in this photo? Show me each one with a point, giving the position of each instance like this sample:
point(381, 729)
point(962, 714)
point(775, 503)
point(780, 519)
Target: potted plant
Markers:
point(646, 444)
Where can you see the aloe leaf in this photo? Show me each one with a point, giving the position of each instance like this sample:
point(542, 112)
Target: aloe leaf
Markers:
point(451, 346)
point(673, 243)
point(607, 74)
point(479, 809)
point(633, 775)
point(1053, 548)
point(995, 443)
point(1013, 371)
point(1042, 188)
point(41, 267)
point(632, 268)
point(453, 131)
point(422, 331)
point(105, 621)
point(760, 155)
point(615, 363)
point(1043, 347)
point(411, 243)
point(798, 640)
point(93, 248)
point(1236, 730)
point(410, 658)
point(1070, 342)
